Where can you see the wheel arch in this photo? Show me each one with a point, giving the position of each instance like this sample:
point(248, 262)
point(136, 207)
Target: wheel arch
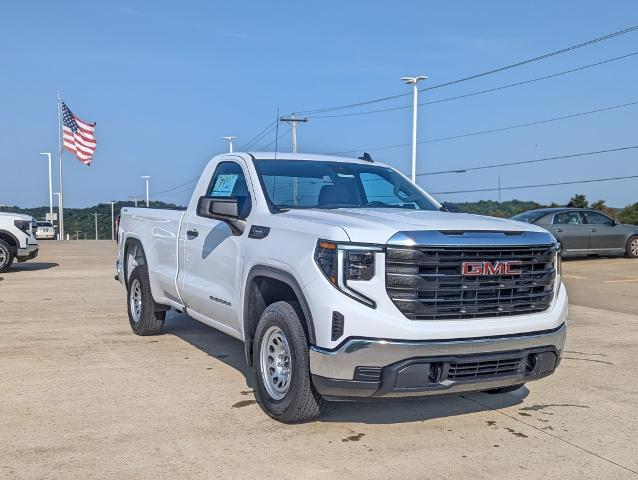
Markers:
point(264, 286)
point(139, 255)
point(10, 238)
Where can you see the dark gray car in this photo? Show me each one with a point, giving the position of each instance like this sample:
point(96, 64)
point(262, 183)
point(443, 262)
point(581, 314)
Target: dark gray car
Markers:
point(582, 231)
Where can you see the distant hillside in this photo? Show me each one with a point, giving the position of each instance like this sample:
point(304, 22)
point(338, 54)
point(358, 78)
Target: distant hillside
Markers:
point(499, 209)
point(80, 222)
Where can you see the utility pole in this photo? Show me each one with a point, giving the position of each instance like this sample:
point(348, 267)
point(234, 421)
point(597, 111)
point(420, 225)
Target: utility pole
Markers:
point(112, 220)
point(50, 185)
point(293, 121)
point(146, 179)
point(96, 215)
point(230, 143)
point(414, 81)
point(135, 198)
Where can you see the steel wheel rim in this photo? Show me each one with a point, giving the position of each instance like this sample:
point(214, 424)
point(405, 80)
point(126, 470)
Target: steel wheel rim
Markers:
point(633, 246)
point(136, 300)
point(276, 362)
point(3, 256)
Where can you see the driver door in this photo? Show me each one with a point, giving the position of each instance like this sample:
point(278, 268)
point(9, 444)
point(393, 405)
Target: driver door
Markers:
point(212, 252)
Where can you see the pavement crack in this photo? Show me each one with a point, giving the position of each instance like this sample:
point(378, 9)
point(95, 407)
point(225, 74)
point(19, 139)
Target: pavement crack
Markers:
point(588, 360)
point(567, 442)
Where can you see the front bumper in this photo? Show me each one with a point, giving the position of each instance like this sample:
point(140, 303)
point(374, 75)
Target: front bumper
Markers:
point(391, 368)
point(28, 253)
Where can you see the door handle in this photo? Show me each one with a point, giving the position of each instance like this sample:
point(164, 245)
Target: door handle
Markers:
point(592, 229)
point(192, 233)
point(559, 230)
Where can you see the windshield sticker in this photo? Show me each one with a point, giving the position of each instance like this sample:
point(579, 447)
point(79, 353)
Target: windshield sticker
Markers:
point(224, 185)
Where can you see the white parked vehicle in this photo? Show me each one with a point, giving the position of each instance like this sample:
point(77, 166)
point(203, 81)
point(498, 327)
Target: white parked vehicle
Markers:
point(46, 231)
point(345, 280)
point(17, 239)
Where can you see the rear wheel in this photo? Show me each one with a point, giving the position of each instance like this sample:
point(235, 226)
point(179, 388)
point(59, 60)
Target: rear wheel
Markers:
point(281, 369)
point(6, 256)
point(142, 314)
point(632, 247)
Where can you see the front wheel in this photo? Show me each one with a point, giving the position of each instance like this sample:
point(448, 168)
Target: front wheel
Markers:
point(142, 314)
point(281, 369)
point(6, 256)
point(632, 247)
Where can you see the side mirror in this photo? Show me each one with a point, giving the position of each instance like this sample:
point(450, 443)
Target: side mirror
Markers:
point(225, 209)
point(614, 222)
point(450, 207)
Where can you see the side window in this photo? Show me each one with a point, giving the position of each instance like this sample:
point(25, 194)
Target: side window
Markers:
point(229, 181)
point(568, 218)
point(597, 219)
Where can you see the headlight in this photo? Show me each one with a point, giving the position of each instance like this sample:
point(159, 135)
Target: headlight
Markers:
point(343, 262)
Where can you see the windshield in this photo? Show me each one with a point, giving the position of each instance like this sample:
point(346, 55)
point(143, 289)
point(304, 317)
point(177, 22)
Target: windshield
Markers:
point(320, 184)
point(528, 217)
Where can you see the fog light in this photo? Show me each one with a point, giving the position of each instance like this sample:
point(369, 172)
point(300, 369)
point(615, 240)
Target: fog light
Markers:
point(531, 363)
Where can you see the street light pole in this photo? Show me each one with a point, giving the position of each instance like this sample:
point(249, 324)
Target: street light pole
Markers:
point(135, 198)
point(146, 179)
point(230, 143)
point(57, 194)
point(50, 185)
point(293, 121)
point(112, 220)
point(96, 215)
point(414, 81)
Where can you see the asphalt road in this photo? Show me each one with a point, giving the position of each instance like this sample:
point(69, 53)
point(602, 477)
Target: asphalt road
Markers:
point(82, 397)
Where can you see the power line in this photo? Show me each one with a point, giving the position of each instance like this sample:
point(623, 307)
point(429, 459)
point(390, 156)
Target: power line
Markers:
point(275, 140)
point(189, 182)
point(480, 92)
point(537, 160)
point(518, 187)
point(258, 137)
point(478, 75)
point(493, 130)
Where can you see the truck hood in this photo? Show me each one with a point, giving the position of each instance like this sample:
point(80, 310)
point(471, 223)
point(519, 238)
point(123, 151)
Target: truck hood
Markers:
point(369, 225)
point(16, 216)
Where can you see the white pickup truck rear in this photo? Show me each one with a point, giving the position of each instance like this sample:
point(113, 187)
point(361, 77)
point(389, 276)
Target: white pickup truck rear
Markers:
point(345, 280)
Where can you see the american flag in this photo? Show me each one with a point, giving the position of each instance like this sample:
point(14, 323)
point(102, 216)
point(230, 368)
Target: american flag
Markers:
point(78, 136)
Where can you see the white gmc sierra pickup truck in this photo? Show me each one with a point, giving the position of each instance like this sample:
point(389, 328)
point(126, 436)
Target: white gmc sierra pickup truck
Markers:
point(345, 280)
point(17, 239)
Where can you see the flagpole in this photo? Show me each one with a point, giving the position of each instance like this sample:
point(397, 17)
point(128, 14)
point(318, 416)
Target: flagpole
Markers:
point(61, 196)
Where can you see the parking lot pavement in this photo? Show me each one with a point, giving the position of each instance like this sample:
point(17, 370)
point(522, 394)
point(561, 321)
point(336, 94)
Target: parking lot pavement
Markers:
point(82, 397)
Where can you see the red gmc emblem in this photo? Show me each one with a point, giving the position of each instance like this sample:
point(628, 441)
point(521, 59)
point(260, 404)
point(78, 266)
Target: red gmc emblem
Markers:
point(500, 267)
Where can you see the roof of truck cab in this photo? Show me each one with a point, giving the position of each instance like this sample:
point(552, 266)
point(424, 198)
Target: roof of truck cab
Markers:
point(309, 156)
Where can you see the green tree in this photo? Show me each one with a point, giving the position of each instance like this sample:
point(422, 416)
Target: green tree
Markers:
point(599, 205)
point(578, 201)
point(629, 214)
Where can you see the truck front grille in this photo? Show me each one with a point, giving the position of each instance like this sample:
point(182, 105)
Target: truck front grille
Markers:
point(426, 283)
point(484, 369)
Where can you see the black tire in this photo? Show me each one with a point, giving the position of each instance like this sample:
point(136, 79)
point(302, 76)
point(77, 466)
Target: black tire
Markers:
point(632, 247)
point(7, 254)
point(511, 388)
point(145, 319)
point(301, 402)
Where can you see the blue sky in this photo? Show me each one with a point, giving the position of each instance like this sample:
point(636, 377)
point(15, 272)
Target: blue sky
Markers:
point(165, 80)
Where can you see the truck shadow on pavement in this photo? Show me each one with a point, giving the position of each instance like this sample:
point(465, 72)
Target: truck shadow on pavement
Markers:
point(31, 267)
point(230, 351)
